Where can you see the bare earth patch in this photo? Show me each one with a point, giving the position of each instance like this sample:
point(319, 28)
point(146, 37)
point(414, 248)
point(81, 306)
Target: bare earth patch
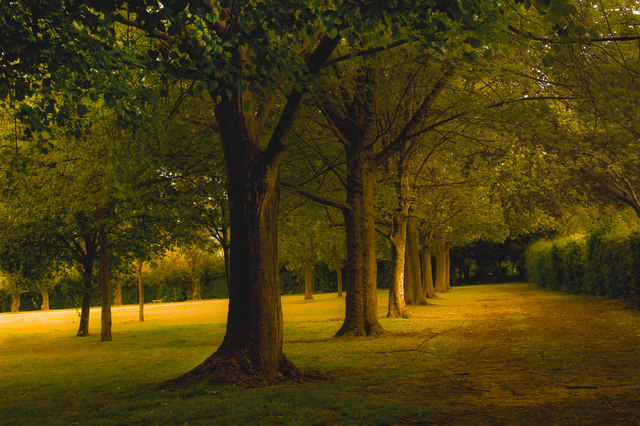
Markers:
point(523, 356)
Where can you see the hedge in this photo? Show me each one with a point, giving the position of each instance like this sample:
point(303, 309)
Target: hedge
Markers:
point(605, 262)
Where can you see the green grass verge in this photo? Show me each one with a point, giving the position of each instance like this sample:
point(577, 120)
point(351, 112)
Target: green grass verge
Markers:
point(54, 378)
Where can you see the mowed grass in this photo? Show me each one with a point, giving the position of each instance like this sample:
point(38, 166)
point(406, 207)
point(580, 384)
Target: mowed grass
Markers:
point(53, 377)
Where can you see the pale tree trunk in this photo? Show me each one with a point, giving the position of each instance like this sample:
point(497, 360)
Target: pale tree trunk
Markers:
point(427, 273)
point(338, 269)
point(139, 264)
point(45, 300)
point(413, 263)
point(308, 279)
point(105, 284)
point(398, 237)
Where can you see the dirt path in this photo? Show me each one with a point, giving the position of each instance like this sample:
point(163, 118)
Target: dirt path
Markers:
point(523, 356)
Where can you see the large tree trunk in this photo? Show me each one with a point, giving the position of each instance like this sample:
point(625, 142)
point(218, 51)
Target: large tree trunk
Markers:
point(361, 317)
point(15, 303)
point(427, 273)
point(413, 263)
point(45, 300)
point(398, 238)
point(139, 264)
point(338, 269)
point(105, 284)
point(252, 347)
point(308, 279)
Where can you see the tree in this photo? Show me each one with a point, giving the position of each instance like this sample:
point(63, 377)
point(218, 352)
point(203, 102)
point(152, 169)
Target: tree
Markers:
point(242, 54)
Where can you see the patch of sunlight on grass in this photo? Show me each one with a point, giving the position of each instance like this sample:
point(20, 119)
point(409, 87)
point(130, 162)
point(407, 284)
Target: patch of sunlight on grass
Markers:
point(83, 380)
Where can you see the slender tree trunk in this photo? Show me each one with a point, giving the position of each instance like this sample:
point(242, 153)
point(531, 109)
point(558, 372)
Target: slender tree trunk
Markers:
point(441, 265)
point(117, 294)
point(338, 269)
point(413, 263)
point(361, 317)
point(45, 300)
point(87, 278)
point(409, 278)
point(139, 264)
point(105, 284)
point(196, 288)
point(447, 268)
point(398, 238)
point(15, 303)
point(427, 273)
point(308, 279)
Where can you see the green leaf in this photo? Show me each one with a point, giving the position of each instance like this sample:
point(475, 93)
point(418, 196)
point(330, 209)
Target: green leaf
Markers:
point(475, 42)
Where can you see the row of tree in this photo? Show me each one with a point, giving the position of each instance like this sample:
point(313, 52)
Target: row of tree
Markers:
point(132, 126)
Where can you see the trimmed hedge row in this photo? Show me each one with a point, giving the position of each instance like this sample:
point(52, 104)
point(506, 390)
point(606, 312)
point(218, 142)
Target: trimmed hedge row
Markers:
point(603, 263)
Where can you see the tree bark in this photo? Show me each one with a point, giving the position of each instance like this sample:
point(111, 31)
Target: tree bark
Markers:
point(225, 252)
point(338, 269)
point(87, 278)
point(409, 278)
point(196, 288)
point(427, 273)
point(15, 303)
point(441, 265)
point(252, 347)
point(45, 300)
point(447, 267)
point(308, 279)
point(139, 264)
point(412, 262)
point(117, 294)
point(361, 317)
point(398, 237)
point(105, 284)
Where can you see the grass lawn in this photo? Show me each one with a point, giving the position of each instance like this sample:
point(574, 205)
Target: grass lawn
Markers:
point(53, 377)
point(492, 354)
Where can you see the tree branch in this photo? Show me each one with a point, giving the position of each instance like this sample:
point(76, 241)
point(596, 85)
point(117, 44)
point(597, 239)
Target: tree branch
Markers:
point(341, 205)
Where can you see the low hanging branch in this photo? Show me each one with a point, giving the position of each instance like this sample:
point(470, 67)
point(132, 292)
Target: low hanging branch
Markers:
point(341, 205)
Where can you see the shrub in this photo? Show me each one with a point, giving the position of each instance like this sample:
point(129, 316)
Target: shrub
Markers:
point(604, 263)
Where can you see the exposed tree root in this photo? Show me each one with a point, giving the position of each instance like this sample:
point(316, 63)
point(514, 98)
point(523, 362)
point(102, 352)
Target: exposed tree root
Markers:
point(227, 369)
point(349, 332)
